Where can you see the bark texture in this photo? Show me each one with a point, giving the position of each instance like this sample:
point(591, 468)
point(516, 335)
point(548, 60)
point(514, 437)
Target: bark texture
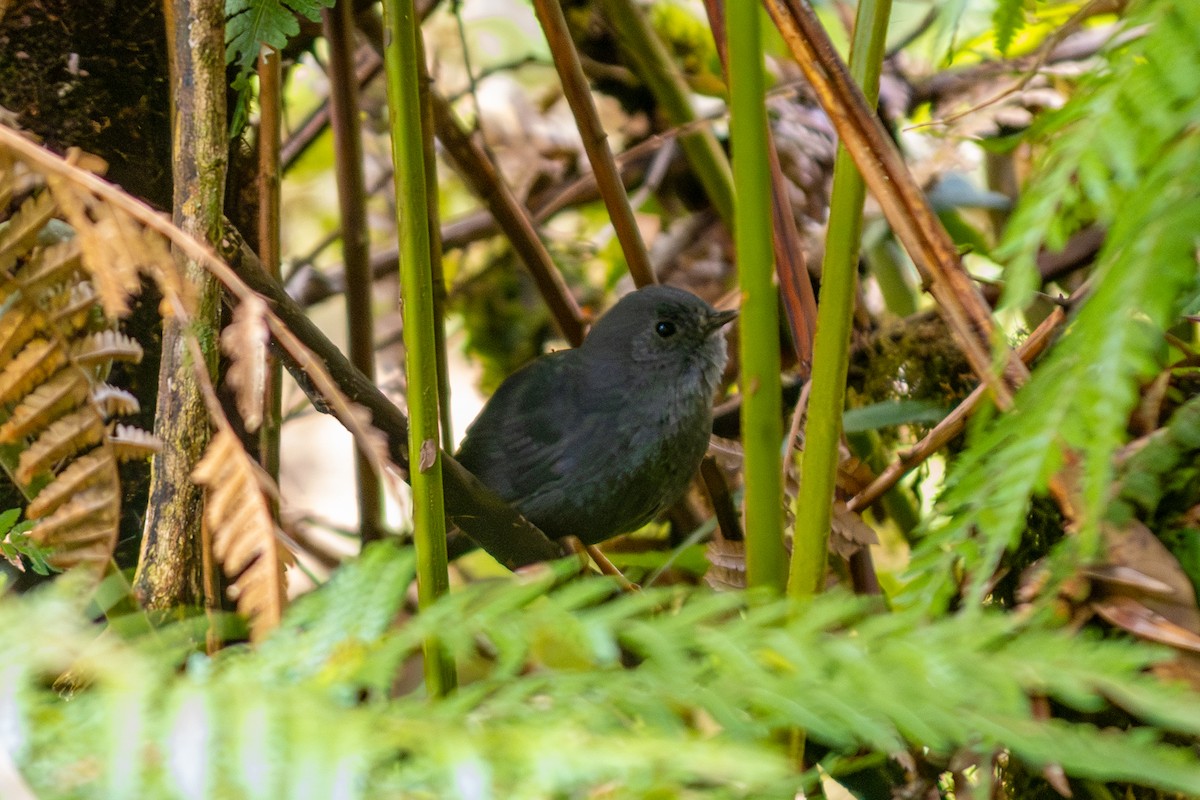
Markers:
point(171, 568)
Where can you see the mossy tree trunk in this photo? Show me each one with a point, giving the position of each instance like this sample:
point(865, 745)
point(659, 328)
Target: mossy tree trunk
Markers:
point(170, 569)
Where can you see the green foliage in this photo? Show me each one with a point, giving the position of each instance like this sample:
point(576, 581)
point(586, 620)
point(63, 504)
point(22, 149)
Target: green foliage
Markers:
point(569, 687)
point(1008, 19)
point(1127, 153)
point(253, 23)
point(17, 547)
point(1160, 484)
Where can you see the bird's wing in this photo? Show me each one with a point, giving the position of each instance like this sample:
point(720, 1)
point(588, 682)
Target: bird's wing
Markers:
point(518, 443)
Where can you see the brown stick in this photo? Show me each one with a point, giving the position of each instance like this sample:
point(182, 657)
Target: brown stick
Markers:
point(795, 286)
point(595, 140)
point(351, 189)
point(175, 566)
point(485, 181)
point(902, 201)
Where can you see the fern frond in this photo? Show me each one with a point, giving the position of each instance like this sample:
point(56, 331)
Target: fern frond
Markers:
point(59, 263)
point(1008, 18)
point(572, 689)
point(38, 360)
point(98, 466)
point(245, 341)
point(129, 443)
point(1076, 406)
point(45, 404)
point(19, 235)
point(253, 23)
point(17, 327)
point(243, 530)
point(105, 346)
point(51, 353)
point(84, 529)
point(1119, 124)
point(77, 431)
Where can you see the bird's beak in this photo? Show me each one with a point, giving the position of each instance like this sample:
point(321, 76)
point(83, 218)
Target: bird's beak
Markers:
point(716, 320)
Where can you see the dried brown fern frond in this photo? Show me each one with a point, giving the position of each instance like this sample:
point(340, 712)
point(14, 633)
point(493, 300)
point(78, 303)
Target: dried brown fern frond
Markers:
point(55, 343)
point(245, 341)
point(113, 227)
point(243, 533)
point(84, 197)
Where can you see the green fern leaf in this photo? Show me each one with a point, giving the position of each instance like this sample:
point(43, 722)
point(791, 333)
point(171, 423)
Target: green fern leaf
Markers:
point(1008, 19)
point(252, 23)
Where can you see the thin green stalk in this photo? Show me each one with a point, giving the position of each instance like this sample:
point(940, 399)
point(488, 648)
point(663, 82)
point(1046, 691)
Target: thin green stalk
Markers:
point(762, 424)
point(654, 65)
point(436, 272)
point(416, 280)
point(356, 255)
point(835, 316)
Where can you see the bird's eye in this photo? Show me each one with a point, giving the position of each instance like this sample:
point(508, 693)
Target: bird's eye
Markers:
point(665, 329)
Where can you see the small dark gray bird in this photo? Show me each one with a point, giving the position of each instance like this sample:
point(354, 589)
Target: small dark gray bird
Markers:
point(596, 441)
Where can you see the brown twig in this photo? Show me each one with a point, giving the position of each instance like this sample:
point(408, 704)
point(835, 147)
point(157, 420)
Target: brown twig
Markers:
point(795, 286)
point(595, 140)
point(316, 122)
point(903, 203)
point(351, 185)
point(487, 184)
point(310, 286)
point(316, 363)
point(270, 103)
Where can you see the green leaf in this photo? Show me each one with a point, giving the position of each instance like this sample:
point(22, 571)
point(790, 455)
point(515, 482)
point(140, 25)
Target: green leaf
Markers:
point(890, 413)
point(253, 23)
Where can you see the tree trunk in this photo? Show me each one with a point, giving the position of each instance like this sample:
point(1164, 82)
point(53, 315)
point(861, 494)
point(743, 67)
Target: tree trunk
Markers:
point(171, 568)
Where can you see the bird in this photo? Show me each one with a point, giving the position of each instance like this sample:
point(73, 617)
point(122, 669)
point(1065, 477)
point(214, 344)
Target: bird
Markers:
point(598, 440)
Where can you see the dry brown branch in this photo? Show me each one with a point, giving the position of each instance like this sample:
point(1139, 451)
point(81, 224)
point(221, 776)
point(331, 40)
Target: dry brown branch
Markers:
point(595, 140)
point(795, 285)
point(902, 201)
point(487, 184)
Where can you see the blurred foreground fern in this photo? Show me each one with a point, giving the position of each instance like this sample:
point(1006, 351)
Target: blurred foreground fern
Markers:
point(573, 687)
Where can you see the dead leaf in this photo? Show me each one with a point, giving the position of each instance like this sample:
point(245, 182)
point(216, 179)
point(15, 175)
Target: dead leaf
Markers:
point(245, 341)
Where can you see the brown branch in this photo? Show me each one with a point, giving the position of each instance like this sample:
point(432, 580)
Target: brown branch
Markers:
point(903, 203)
point(317, 364)
point(309, 286)
point(595, 140)
point(795, 285)
point(315, 123)
point(475, 509)
point(351, 189)
point(174, 564)
point(270, 103)
point(481, 175)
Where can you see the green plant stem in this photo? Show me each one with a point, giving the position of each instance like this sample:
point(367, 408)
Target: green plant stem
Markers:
point(416, 280)
point(835, 318)
point(435, 250)
point(654, 65)
point(795, 285)
point(348, 154)
point(762, 425)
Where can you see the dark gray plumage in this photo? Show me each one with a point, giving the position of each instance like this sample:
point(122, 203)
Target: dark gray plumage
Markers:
point(596, 441)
